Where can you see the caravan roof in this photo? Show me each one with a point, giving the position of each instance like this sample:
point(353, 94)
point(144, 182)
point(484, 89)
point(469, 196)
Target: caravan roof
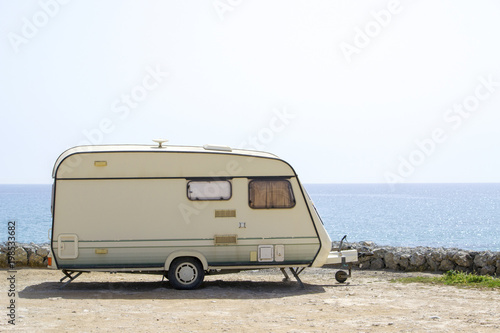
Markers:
point(70, 162)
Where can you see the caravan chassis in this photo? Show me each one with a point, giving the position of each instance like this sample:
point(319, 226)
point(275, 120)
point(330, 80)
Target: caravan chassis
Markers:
point(340, 275)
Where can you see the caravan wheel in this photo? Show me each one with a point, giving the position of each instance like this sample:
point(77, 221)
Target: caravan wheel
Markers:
point(186, 273)
point(341, 276)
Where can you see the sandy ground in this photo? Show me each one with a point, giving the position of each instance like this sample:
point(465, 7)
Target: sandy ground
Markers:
point(252, 301)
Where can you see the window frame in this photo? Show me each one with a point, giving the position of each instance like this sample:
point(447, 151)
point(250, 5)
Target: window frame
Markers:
point(270, 179)
point(209, 181)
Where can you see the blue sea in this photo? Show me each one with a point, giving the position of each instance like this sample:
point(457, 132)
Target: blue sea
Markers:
point(465, 216)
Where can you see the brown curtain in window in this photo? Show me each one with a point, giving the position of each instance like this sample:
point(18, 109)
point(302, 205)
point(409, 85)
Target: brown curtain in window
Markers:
point(271, 194)
point(279, 194)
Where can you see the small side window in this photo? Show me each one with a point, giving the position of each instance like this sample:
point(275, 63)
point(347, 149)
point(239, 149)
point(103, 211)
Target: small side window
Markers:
point(275, 193)
point(209, 190)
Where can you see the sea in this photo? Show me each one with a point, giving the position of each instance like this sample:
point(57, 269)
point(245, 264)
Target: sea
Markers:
point(465, 216)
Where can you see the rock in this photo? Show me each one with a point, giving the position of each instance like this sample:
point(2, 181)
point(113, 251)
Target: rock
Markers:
point(434, 258)
point(449, 254)
point(43, 252)
point(402, 260)
point(433, 265)
point(462, 258)
point(480, 260)
point(487, 270)
point(364, 256)
point(35, 260)
point(389, 260)
point(484, 259)
point(21, 257)
point(417, 259)
point(365, 265)
point(495, 257)
point(463, 269)
point(3, 260)
point(377, 263)
point(446, 265)
point(438, 254)
point(379, 253)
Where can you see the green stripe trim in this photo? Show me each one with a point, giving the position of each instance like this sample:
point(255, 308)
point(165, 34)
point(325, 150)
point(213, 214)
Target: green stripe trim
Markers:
point(298, 237)
point(191, 246)
point(146, 240)
point(182, 239)
point(256, 263)
point(107, 266)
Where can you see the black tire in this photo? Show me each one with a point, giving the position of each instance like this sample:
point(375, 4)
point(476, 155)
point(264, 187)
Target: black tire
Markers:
point(186, 273)
point(341, 276)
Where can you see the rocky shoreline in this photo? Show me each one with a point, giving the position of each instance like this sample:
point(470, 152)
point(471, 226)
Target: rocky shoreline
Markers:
point(24, 255)
point(424, 259)
point(370, 256)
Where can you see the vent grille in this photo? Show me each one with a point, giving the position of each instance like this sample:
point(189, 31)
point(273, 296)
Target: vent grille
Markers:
point(225, 213)
point(225, 239)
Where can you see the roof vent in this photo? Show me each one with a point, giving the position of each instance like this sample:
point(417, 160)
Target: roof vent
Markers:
point(160, 142)
point(216, 147)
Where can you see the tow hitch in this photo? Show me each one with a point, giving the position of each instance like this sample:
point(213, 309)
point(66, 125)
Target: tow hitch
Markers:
point(346, 259)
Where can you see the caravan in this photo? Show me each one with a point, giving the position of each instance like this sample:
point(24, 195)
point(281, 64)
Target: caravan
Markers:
point(183, 212)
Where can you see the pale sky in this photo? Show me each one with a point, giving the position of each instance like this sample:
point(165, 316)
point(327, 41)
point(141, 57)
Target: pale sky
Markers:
point(345, 91)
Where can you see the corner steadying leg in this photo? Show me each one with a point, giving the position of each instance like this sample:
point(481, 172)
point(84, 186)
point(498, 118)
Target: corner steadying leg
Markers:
point(69, 275)
point(296, 273)
point(287, 278)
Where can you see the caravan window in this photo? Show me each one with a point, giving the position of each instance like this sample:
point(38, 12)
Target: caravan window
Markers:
point(272, 193)
point(209, 190)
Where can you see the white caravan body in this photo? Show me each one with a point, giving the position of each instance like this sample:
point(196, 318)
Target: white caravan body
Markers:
point(138, 208)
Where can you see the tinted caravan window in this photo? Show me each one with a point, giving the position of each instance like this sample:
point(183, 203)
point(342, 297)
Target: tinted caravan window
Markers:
point(272, 193)
point(209, 190)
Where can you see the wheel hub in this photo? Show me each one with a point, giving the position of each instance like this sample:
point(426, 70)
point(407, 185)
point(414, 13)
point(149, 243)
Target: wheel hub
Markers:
point(186, 273)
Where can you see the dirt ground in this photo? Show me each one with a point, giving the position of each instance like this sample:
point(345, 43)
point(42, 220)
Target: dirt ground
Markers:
point(251, 301)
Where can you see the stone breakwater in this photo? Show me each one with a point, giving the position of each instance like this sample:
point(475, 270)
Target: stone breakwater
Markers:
point(424, 259)
point(24, 255)
point(370, 256)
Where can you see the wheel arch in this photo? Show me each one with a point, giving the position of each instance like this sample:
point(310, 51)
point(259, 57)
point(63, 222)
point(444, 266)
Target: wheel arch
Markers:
point(180, 254)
